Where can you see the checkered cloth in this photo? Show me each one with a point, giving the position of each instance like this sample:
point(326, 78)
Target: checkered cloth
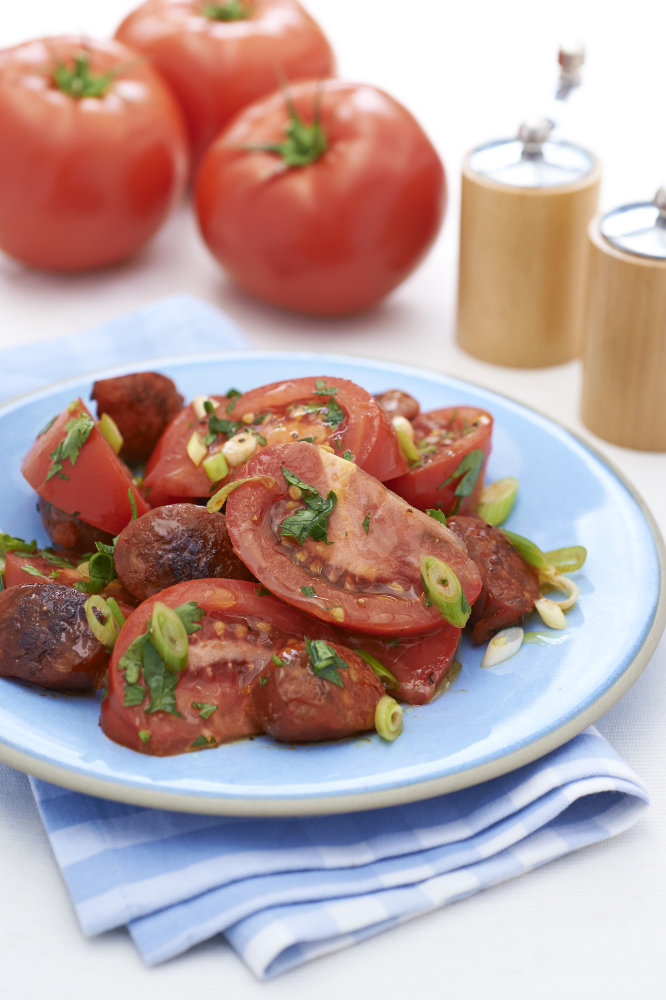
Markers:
point(284, 891)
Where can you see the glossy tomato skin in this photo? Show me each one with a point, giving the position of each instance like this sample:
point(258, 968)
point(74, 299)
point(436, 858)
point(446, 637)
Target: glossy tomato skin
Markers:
point(84, 183)
point(218, 67)
point(226, 658)
point(333, 237)
point(297, 706)
point(464, 429)
point(96, 487)
point(365, 432)
point(366, 581)
point(419, 664)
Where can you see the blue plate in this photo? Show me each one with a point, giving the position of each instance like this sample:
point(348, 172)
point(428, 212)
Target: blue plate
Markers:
point(490, 722)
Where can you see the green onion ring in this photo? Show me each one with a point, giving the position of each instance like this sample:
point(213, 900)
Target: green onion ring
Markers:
point(169, 637)
point(106, 633)
point(389, 681)
point(219, 499)
point(442, 587)
point(388, 718)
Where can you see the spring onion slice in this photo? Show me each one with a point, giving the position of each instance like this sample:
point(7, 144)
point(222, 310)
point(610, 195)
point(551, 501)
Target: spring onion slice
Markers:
point(169, 637)
point(567, 560)
point(551, 613)
point(107, 631)
point(503, 646)
point(196, 449)
point(110, 431)
point(388, 718)
point(443, 588)
point(405, 434)
point(388, 679)
point(497, 500)
point(530, 552)
point(115, 611)
point(216, 467)
point(218, 500)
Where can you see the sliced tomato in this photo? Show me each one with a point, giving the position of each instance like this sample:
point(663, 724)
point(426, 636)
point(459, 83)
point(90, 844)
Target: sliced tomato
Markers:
point(241, 631)
point(366, 575)
point(419, 664)
point(92, 483)
point(454, 444)
point(346, 419)
point(35, 568)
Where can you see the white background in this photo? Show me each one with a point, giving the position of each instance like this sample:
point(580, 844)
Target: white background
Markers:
point(589, 925)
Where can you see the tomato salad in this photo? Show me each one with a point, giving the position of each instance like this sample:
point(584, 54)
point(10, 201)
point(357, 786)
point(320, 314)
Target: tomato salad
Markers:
point(296, 560)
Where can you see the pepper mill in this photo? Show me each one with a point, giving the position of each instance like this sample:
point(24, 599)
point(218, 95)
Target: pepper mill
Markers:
point(526, 205)
point(624, 364)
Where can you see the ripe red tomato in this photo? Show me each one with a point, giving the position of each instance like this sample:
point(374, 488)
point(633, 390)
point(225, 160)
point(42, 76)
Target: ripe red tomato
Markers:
point(85, 477)
point(455, 444)
point(331, 218)
point(84, 180)
point(353, 423)
point(240, 632)
point(219, 57)
point(360, 565)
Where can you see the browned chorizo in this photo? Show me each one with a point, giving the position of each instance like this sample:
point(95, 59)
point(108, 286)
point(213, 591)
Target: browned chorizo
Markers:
point(172, 544)
point(510, 585)
point(45, 638)
point(141, 404)
point(295, 704)
point(69, 533)
point(398, 403)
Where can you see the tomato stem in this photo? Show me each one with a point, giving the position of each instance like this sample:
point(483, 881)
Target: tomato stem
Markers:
point(233, 10)
point(304, 143)
point(79, 82)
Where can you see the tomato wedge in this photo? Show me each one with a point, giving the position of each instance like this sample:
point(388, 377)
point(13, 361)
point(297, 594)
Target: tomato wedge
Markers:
point(454, 444)
point(327, 411)
point(360, 566)
point(210, 702)
point(85, 478)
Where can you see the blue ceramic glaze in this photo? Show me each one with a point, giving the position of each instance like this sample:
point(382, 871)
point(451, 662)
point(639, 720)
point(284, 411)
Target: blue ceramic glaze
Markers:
point(490, 721)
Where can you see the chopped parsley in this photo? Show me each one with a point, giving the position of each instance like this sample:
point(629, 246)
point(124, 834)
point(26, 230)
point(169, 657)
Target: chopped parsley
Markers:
point(366, 523)
point(47, 426)
point(132, 501)
point(161, 682)
point(203, 741)
point(277, 661)
point(101, 570)
point(437, 514)
point(32, 570)
point(10, 544)
point(325, 661)
point(312, 521)
point(469, 469)
point(144, 735)
point(55, 559)
point(333, 414)
point(190, 615)
point(261, 591)
point(260, 438)
point(308, 591)
point(134, 695)
point(321, 389)
point(262, 682)
point(204, 709)
point(347, 455)
point(232, 393)
point(260, 419)
point(78, 431)
point(309, 440)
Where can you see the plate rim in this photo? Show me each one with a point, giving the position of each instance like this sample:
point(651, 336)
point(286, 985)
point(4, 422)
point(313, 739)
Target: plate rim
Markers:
point(312, 805)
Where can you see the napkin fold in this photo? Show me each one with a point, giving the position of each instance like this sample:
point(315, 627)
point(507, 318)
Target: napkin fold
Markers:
point(179, 324)
point(284, 891)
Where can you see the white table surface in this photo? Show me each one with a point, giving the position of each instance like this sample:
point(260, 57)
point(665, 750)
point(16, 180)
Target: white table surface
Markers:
point(591, 924)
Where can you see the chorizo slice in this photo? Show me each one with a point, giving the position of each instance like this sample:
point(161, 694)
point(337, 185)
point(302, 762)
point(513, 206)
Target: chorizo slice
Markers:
point(308, 695)
point(398, 403)
point(141, 404)
point(69, 533)
point(170, 545)
point(45, 638)
point(510, 585)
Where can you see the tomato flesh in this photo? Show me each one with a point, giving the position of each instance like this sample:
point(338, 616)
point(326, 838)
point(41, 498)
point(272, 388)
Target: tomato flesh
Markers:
point(445, 439)
point(94, 488)
point(241, 632)
point(368, 577)
point(275, 414)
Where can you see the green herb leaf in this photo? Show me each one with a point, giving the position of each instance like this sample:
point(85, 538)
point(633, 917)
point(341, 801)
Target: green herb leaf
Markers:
point(32, 570)
point(51, 556)
point(262, 682)
point(134, 695)
point(324, 390)
point(261, 591)
point(233, 393)
point(277, 661)
point(333, 414)
point(308, 591)
point(47, 426)
point(132, 659)
point(144, 735)
point(132, 501)
point(190, 615)
point(260, 438)
point(10, 544)
point(161, 682)
point(325, 661)
point(437, 514)
point(260, 419)
point(204, 709)
point(203, 741)
point(78, 431)
point(219, 425)
point(312, 521)
point(347, 455)
point(101, 571)
point(309, 440)
point(469, 469)
point(366, 523)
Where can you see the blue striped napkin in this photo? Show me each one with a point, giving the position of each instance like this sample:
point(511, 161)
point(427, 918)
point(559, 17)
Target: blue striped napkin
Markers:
point(284, 891)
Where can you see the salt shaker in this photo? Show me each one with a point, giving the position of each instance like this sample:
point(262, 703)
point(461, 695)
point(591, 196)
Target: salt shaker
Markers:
point(526, 204)
point(624, 363)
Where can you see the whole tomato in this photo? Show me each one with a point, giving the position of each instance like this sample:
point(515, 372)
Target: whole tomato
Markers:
point(323, 199)
point(218, 57)
point(93, 153)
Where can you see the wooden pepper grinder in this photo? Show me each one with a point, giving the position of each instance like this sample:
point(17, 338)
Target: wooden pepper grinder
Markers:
point(624, 364)
point(526, 204)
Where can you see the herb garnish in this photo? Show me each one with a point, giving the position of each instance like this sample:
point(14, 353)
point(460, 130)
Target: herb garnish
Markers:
point(325, 661)
point(218, 425)
point(308, 591)
point(204, 709)
point(261, 591)
point(313, 520)
point(203, 741)
point(144, 735)
point(10, 544)
point(78, 431)
point(321, 389)
point(437, 514)
point(348, 457)
point(469, 469)
point(262, 682)
point(277, 661)
point(32, 570)
point(366, 523)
